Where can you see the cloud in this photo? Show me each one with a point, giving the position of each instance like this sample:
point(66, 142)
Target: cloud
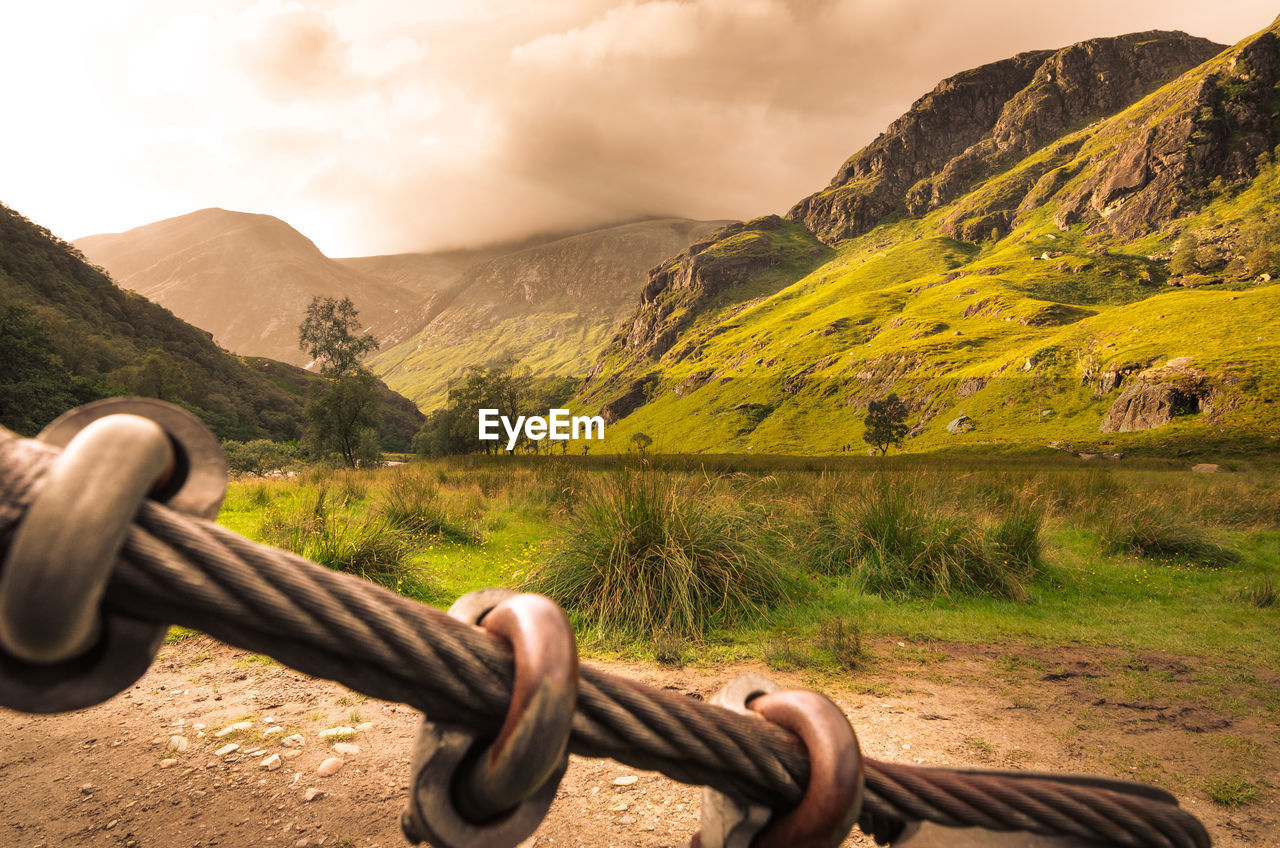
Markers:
point(379, 125)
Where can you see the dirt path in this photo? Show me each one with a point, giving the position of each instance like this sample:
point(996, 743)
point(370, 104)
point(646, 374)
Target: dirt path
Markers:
point(113, 775)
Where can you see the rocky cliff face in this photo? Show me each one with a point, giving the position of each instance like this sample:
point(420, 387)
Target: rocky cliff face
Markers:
point(976, 123)
point(1213, 126)
point(678, 288)
point(1156, 395)
point(730, 266)
point(596, 270)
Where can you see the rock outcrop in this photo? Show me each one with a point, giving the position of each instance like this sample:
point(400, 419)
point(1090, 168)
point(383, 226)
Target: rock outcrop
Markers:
point(1213, 126)
point(978, 122)
point(631, 399)
point(1155, 396)
point(678, 288)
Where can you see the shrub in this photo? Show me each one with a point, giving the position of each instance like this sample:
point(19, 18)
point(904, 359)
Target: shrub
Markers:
point(414, 505)
point(644, 554)
point(367, 547)
point(899, 545)
point(259, 456)
point(1151, 530)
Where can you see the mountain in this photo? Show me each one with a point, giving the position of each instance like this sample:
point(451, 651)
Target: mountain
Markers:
point(550, 304)
point(69, 335)
point(246, 278)
point(549, 300)
point(1071, 247)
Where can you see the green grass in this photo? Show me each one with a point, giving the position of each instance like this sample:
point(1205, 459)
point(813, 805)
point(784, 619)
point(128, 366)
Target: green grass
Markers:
point(1153, 531)
point(322, 528)
point(898, 542)
point(1231, 791)
point(645, 554)
point(713, 516)
point(415, 504)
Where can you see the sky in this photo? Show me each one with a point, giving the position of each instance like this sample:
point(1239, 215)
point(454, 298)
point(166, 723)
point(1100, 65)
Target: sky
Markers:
point(383, 126)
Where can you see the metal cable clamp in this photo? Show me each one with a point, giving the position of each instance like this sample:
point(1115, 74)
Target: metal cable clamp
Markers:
point(469, 792)
point(57, 652)
point(833, 799)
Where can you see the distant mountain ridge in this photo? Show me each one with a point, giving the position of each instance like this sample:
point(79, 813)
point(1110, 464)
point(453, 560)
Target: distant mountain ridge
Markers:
point(85, 338)
point(551, 306)
point(549, 300)
point(976, 122)
point(246, 278)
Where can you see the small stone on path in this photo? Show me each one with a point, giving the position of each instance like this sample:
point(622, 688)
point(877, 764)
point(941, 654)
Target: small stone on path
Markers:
point(336, 731)
point(232, 728)
point(226, 749)
point(294, 741)
point(625, 780)
point(272, 762)
point(330, 767)
point(312, 794)
point(346, 749)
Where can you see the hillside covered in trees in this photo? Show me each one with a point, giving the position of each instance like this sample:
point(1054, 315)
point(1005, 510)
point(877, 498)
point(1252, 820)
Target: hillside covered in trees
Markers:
point(69, 335)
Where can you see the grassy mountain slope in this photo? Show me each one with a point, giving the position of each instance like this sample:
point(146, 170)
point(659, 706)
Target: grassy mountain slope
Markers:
point(1098, 282)
point(551, 305)
point(246, 278)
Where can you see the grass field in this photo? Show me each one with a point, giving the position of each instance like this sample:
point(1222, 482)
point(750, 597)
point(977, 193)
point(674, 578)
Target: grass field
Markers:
point(1149, 558)
point(1135, 585)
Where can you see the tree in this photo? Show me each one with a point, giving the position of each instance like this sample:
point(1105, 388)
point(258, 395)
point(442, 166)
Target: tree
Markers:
point(35, 387)
point(329, 333)
point(258, 456)
point(503, 385)
point(1185, 259)
point(886, 423)
point(641, 442)
point(343, 416)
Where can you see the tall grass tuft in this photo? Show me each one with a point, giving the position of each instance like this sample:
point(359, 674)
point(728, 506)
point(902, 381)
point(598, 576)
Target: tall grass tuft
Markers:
point(644, 554)
point(366, 546)
point(1261, 593)
point(417, 506)
point(1152, 530)
point(898, 544)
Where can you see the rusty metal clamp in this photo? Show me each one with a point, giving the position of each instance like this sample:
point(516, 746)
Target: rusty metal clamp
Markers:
point(56, 651)
point(833, 799)
point(472, 792)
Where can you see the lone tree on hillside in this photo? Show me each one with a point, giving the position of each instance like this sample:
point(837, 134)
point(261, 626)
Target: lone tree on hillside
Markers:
point(342, 417)
point(330, 334)
point(886, 423)
point(641, 442)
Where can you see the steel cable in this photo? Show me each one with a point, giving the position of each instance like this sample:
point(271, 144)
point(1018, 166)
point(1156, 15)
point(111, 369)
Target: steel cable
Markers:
point(182, 570)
